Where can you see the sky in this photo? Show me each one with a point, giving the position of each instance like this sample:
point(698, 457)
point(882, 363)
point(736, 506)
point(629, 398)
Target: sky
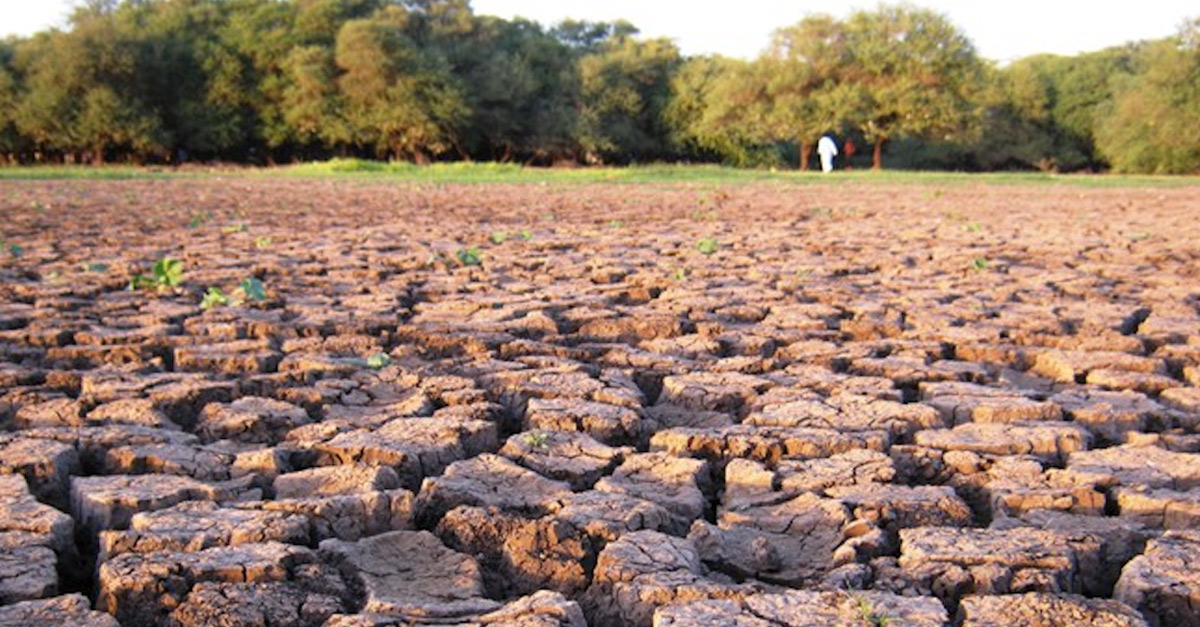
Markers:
point(1001, 31)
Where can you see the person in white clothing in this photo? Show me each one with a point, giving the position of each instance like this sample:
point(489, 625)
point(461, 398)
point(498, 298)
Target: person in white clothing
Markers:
point(827, 149)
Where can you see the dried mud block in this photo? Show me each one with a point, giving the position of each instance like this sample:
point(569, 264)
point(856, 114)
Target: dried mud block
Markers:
point(1073, 366)
point(749, 482)
point(895, 507)
point(1048, 441)
point(1036, 609)
point(100, 503)
point(951, 562)
point(57, 412)
point(631, 329)
point(188, 460)
point(250, 419)
point(487, 481)
point(765, 444)
point(1144, 382)
point(1139, 466)
point(47, 465)
point(909, 372)
point(19, 511)
point(678, 484)
point(725, 392)
point(666, 416)
point(94, 443)
point(520, 555)
point(1012, 486)
point(348, 516)
point(1120, 540)
point(327, 481)
point(139, 412)
point(564, 456)
point(410, 573)
point(825, 382)
point(28, 567)
point(1112, 415)
point(237, 358)
point(605, 516)
point(850, 413)
point(255, 605)
point(414, 447)
point(1160, 508)
point(646, 570)
point(183, 399)
point(1183, 399)
point(141, 590)
point(71, 610)
point(1163, 582)
point(961, 409)
point(798, 608)
point(196, 525)
point(541, 609)
point(610, 424)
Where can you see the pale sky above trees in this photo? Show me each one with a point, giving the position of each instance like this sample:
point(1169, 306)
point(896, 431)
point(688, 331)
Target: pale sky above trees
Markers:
point(1001, 31)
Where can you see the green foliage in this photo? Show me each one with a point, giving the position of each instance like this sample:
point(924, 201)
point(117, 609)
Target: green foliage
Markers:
point(498, 237)
point(167, 272)
point(979, 263)
point(263, 243)
point(379, 361)
point(469, 256)
point(708, 246)
point(616, 224)
point(253, 289)
point(525, 235)
point(213, 297)
point(537, 439)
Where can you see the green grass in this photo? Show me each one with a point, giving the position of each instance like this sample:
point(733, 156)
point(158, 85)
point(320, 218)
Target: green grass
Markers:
point(492, 173)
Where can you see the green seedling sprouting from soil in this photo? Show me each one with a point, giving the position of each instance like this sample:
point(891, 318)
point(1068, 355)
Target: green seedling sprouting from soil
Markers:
point(167, 273)
point(213, 297)
point(469, 256)
point(979, 263)
point(199, 218)
point(972, 227)
point(616, 224)
point(379, 361)
point(240, 227)
point(708, 246)
point(94, 268)
point(14, 250)
point(869, 614)
point(263, 243)
point(525, 235)
point(1139, 236)
point(253, 289)
point(537, 439)
point(499, 237)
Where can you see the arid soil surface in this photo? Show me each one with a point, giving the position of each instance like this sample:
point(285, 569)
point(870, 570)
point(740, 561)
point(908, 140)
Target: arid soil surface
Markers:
point(869, 405)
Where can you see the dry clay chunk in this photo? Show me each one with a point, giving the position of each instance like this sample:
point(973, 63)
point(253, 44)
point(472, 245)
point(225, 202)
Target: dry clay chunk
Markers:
point(541, 609)
point(72, 610)
point(806, 609)
point(1038, 609)
point(1163, 583)
point(410, 573)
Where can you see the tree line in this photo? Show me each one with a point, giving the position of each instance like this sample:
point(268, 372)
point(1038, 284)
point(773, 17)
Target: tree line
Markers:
point(269, 81)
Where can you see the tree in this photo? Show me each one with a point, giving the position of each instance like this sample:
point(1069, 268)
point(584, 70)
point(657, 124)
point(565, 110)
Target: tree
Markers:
point(910, 70)
point(625, 89)
point(1153, 124)
point(399, 101)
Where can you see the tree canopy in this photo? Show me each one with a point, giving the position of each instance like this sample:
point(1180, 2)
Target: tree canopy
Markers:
point(267, 81)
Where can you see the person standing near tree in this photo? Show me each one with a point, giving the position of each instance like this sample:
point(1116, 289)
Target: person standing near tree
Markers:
point(827, 149)
point(848, 150)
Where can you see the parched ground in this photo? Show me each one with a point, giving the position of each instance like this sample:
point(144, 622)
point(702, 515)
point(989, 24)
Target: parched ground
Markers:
point(760, 405)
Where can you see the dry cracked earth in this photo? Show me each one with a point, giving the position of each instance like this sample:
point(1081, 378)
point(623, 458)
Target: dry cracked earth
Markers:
point(961, 407)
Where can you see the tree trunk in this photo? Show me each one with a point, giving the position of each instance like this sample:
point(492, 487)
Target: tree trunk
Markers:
point(805, 153)
point(877, 160)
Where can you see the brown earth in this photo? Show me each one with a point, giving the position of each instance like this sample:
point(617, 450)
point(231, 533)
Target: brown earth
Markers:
point(966, 405)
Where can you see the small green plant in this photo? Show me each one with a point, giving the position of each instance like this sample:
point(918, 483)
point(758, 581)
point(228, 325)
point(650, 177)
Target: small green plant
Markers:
point(95, 268)
point(616, 224)
point(708, 246)
point(499, 237)
point(1139, 236)
point(469, 256)
point(263, 243)
point(213, 297)
point(972, 227)
point(16, 250)
point(537, 439)
point(240, 227)
point(680, 275)
point(253, 289)
point(525, 235)
point(870, 615)
point(199, 218)
point(979, 263)
point(166, 273)
point(379, 361)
